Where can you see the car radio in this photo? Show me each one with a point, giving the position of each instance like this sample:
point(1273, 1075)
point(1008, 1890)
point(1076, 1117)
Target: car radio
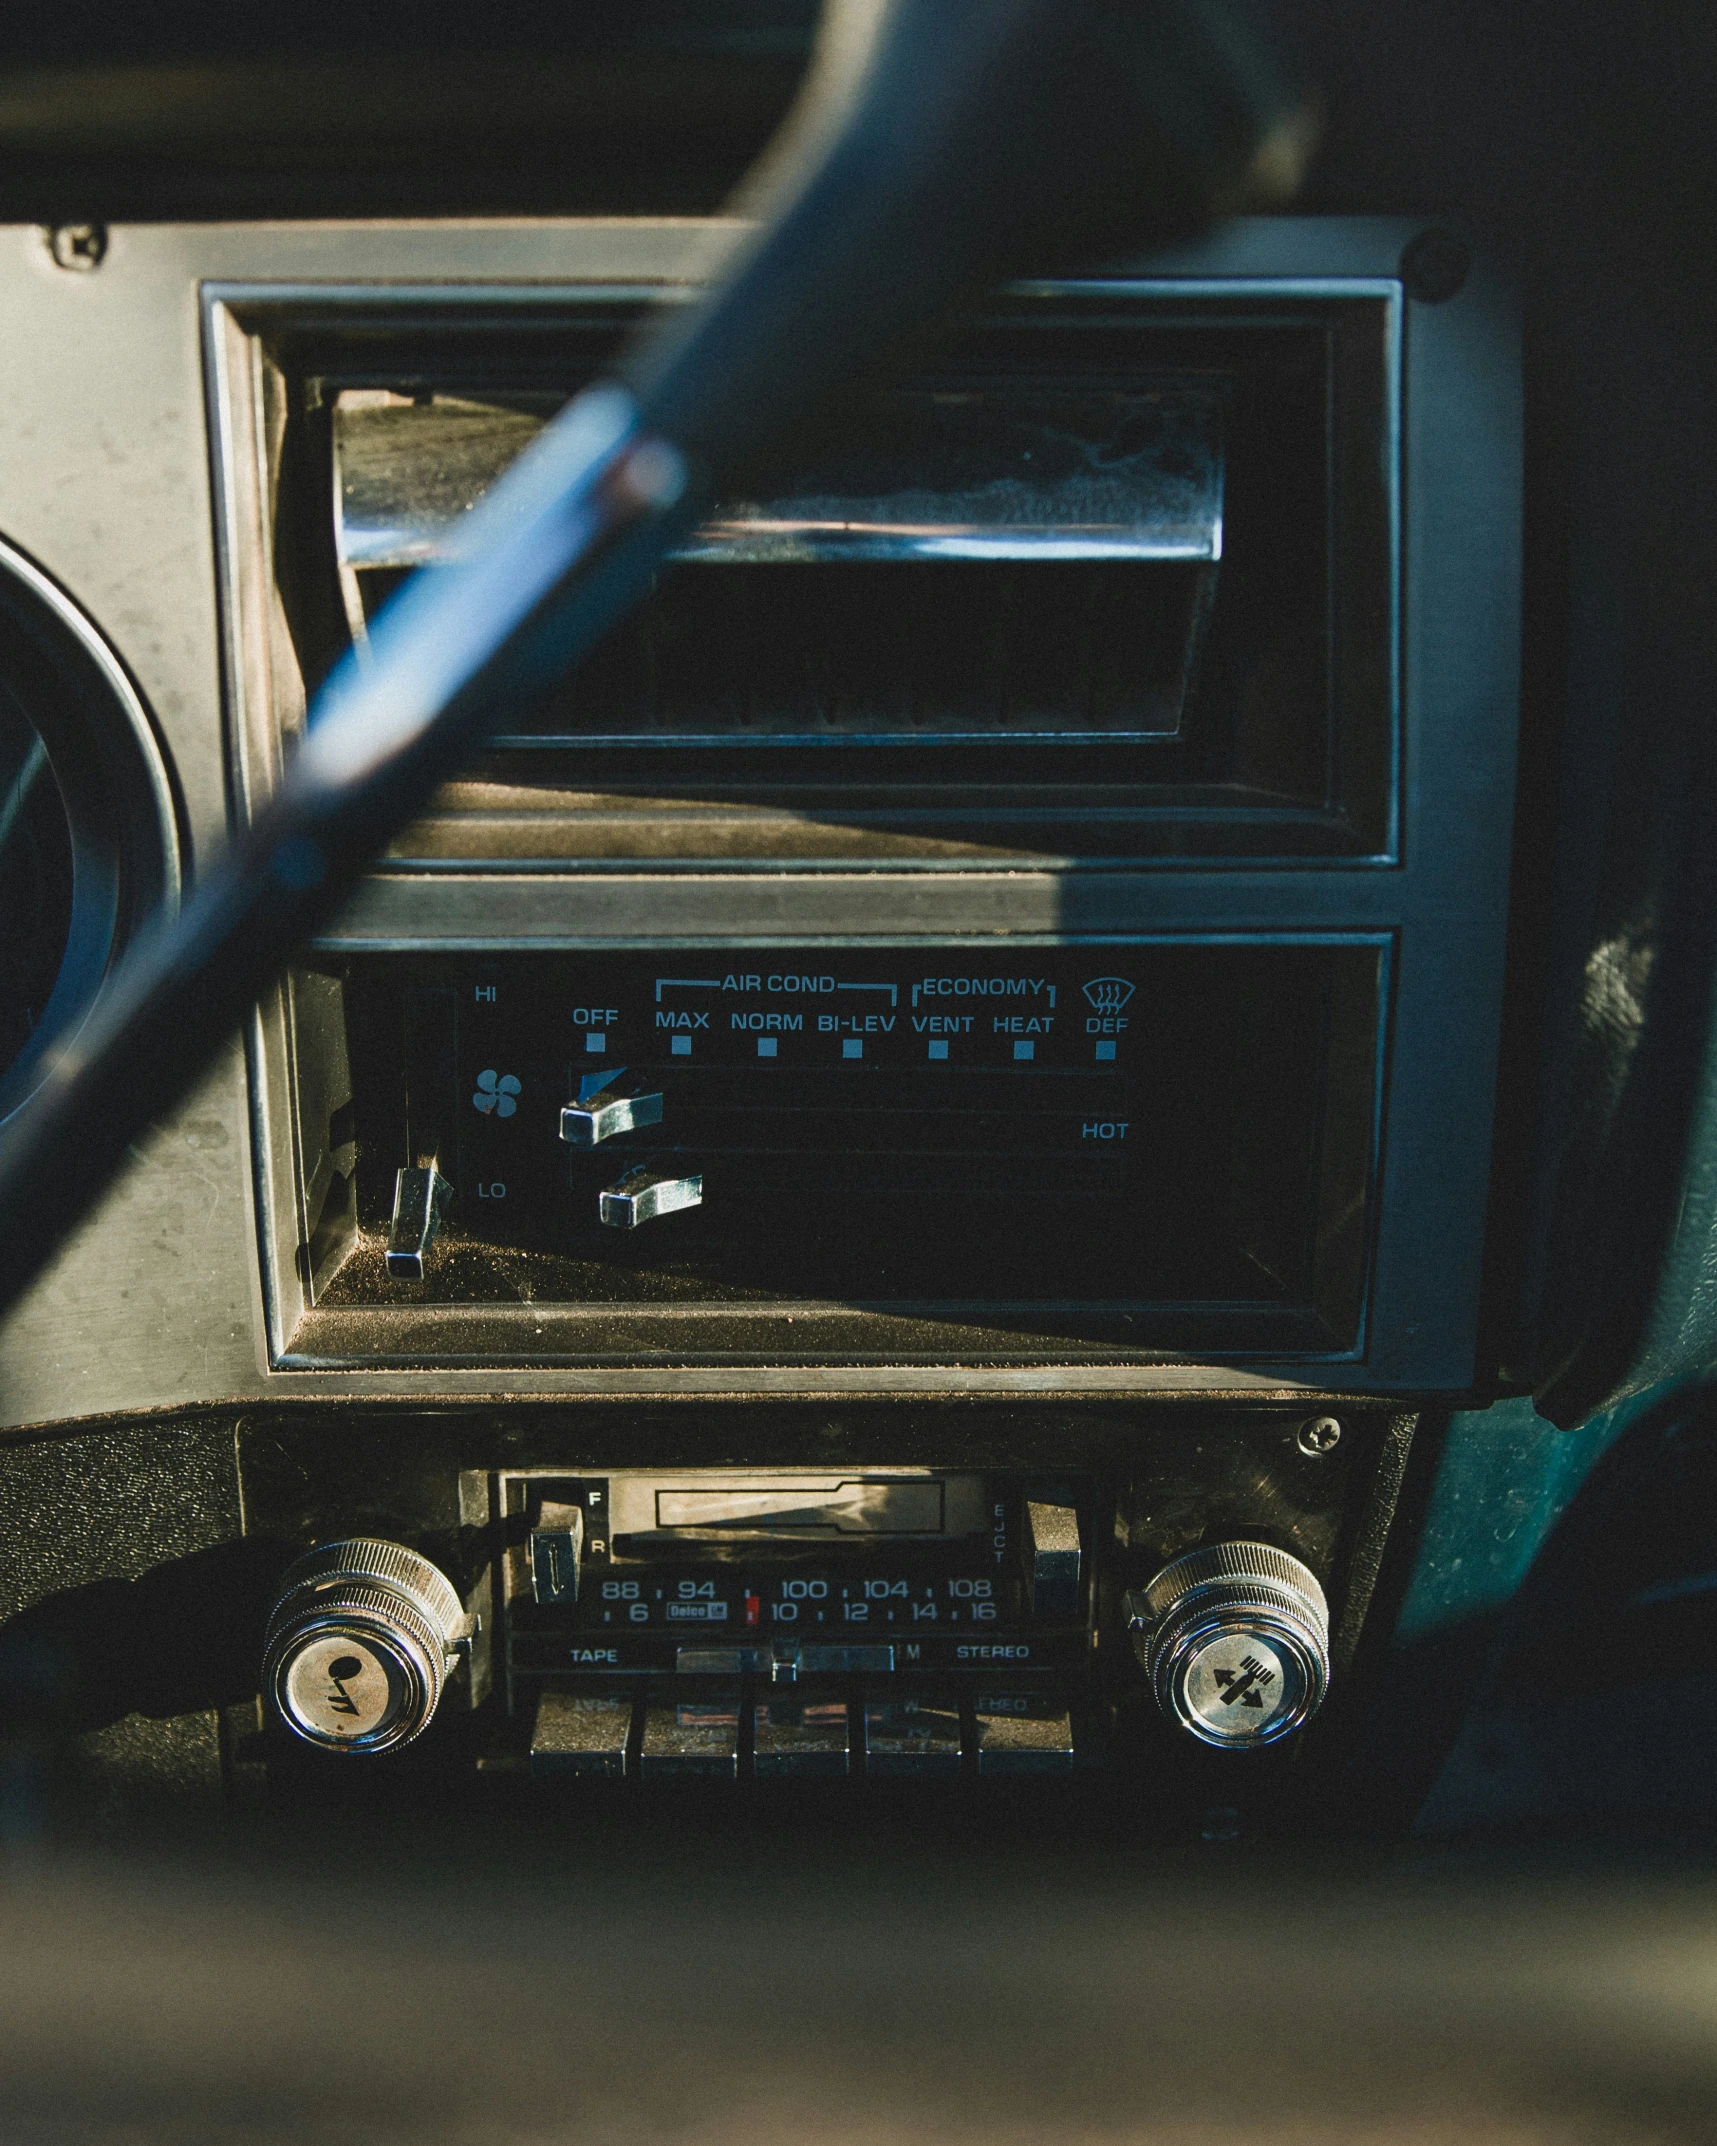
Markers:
point(771, 1623)
point(914, 1594)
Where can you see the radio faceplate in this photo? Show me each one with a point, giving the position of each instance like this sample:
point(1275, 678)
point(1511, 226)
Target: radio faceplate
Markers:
point(798, 1622)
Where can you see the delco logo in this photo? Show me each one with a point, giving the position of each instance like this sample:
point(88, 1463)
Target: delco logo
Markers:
point(1108, 994)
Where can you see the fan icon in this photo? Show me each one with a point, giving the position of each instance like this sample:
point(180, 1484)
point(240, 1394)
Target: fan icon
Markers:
point(497, 1092)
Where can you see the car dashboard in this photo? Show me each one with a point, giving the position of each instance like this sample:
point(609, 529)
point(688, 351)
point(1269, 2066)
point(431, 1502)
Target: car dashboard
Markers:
point(946, 1372)
point(879, 1188)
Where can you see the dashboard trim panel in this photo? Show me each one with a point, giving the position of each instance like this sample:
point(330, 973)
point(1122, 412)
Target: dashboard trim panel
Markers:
point(157, 1304)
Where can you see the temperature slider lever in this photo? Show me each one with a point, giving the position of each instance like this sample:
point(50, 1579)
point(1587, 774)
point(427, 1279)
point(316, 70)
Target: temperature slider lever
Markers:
point(602, 1112)
point(643, 1194)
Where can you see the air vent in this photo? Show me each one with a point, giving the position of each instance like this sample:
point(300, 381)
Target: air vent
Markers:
point(976, 564)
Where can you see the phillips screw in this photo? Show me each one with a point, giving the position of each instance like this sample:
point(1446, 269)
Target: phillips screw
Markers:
point(79, 247)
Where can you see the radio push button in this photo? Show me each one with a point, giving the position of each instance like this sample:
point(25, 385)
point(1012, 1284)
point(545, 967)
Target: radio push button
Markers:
point(580, 1733)
point(1020, 1733)
point(692, 1739)
point(1235, 1641)
point(359, 1645)
point(919, 1738)
point(802, 1739)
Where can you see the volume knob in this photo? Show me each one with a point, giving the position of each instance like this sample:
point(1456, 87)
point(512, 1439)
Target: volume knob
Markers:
point(1235, 1641)
point(358, 1646)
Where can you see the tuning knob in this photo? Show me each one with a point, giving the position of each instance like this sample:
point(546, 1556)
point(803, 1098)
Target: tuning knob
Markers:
point(1235, 1641)
point(358, 1645)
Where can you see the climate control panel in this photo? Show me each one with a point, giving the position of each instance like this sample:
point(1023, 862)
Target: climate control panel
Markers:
point(991, 1147)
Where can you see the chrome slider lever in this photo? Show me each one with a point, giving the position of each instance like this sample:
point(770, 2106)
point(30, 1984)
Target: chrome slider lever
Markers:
point(604, 1110)
point(420, 1197)
point(643, 1194)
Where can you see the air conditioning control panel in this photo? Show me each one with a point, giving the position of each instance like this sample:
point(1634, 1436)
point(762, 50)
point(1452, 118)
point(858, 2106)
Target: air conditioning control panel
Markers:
point(913, 1149)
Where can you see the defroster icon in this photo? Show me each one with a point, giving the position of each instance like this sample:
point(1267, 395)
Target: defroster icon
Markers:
point(1108, 994)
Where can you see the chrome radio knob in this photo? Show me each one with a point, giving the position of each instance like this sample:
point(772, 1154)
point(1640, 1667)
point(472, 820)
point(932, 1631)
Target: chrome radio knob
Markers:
point(359, 1645)
point(1235, 1641)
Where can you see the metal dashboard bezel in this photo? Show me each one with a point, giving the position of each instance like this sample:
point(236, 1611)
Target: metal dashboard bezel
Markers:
point(1439, 893)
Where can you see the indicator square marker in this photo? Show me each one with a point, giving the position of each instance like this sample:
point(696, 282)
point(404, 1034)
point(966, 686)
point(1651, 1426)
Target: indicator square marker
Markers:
point(939, 1049)
point(853, 1047)
point(596, 1041)
point(679, 1046)
point(1105, 1051)
point(766, 1046)
point(1025, 1050)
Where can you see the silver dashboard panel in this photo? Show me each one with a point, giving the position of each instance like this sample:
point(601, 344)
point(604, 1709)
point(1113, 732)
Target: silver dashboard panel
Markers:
point(130, 464)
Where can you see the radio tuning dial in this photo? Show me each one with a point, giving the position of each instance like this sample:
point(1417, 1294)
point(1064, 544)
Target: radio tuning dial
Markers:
point(1235, 1641)
point(359, 1645)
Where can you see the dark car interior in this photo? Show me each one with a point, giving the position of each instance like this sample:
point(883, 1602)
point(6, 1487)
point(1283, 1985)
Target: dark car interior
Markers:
point(857, 1157)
